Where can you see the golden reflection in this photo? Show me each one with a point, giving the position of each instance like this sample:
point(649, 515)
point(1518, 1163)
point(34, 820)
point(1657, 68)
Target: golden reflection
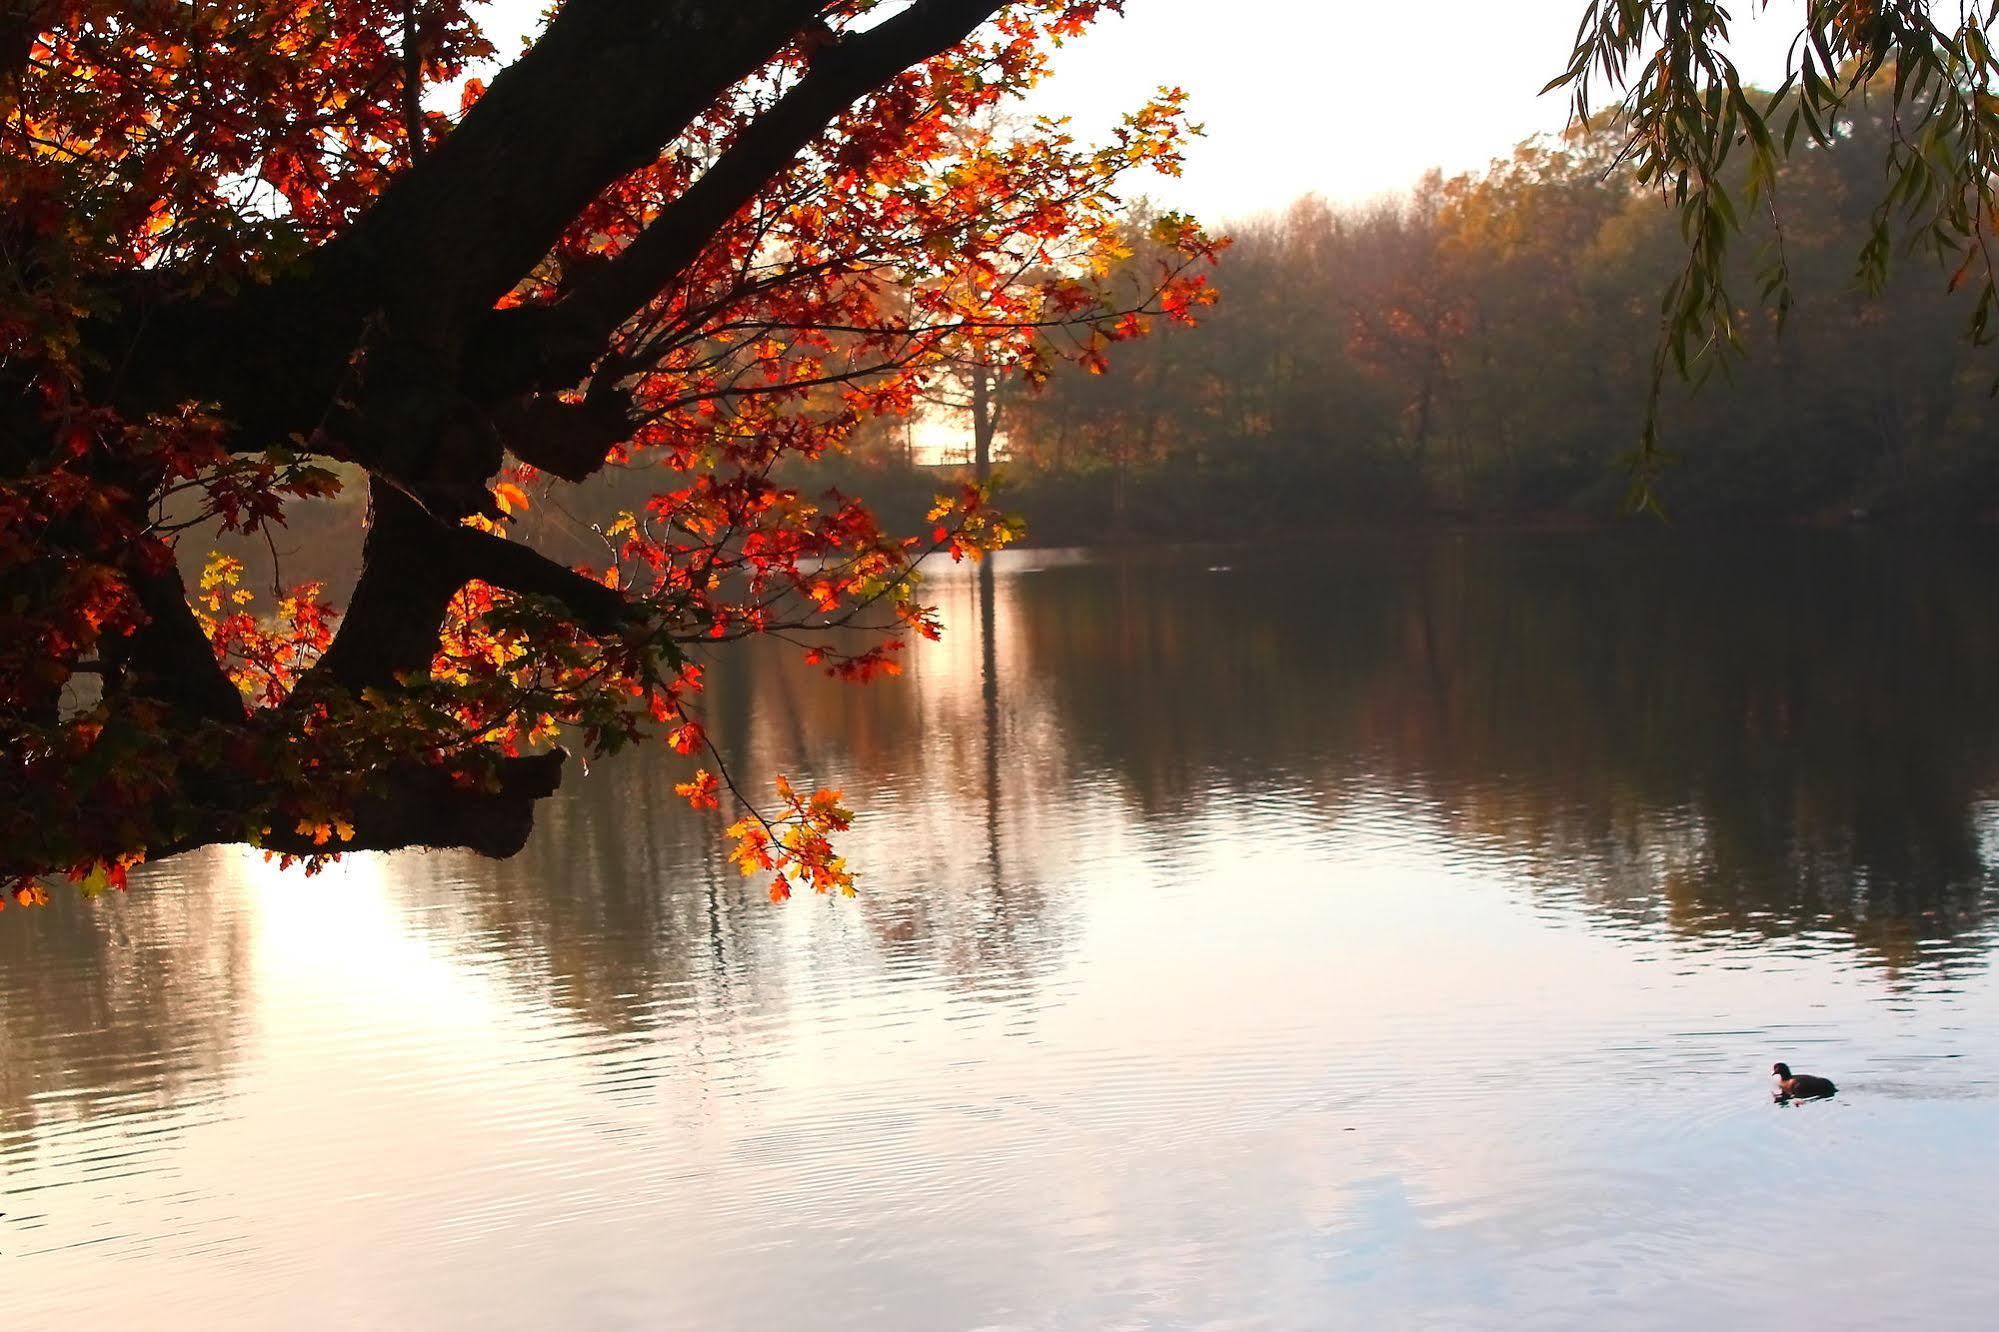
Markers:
point(342, 944)
point(1313, 918)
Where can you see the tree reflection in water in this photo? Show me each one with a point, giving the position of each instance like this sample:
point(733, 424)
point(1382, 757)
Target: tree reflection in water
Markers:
point(1737, 741)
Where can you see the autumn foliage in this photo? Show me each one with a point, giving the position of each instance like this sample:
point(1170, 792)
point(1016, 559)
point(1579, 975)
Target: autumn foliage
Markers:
point(252, 252)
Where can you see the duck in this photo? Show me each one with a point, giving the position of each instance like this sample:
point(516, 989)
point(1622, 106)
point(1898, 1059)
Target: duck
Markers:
point(1802, 1085)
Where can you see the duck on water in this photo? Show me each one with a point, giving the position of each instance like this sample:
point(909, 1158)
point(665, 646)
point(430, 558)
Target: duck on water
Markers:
point(1800, 1086)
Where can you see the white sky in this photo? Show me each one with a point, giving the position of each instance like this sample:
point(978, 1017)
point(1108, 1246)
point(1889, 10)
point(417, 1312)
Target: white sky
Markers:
point(1350, 100)
point(1339, 97)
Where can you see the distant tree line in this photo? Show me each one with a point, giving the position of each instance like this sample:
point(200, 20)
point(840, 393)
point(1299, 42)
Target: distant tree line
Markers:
point(1481, 349)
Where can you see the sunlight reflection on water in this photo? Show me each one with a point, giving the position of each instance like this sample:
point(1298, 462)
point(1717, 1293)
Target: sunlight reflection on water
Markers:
point(1393, 937)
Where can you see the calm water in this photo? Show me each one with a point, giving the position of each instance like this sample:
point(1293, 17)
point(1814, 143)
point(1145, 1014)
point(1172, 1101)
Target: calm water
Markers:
point(1387, 934)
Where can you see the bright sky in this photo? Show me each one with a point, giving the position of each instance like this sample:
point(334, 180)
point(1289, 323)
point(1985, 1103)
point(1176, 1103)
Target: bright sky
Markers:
point(1347, 99)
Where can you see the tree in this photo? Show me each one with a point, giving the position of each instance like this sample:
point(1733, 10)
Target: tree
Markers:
point(1686, 112)
point(1503, 342)
point(246, 252)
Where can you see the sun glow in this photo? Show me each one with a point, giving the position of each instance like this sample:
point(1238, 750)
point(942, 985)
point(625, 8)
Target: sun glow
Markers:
point(340, 938)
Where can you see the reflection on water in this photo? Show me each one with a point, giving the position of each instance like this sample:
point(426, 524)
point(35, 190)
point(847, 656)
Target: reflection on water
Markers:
point(1387, 932)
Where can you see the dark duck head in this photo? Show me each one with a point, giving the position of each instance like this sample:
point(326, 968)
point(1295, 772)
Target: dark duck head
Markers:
point(1800, 1085)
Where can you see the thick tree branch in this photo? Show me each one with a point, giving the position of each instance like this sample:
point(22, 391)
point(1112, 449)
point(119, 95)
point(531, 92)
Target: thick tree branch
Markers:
point(168, 658)
point(518, 568)
point(413, 563)
point(607, 85)
point(399, 601)
point(416, 807)
point(565, 439)
point(518, 354)
point(425, 807)
point(598, 96)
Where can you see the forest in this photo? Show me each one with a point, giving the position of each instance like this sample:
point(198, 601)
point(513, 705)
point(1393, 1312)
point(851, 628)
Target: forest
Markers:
point(1476, 350)
point(1480, 350)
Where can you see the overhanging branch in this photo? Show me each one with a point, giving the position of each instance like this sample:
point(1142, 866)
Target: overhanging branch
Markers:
point(517, 568)
point(595, 98)
point(413, 564)
point(521, 354)
point(606, 86)
point(565, 439)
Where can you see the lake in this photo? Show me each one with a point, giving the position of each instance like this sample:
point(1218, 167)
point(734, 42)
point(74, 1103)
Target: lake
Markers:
point(1375, 933)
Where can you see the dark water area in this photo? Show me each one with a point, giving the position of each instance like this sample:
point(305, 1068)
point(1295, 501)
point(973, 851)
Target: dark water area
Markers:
point(1368, 933)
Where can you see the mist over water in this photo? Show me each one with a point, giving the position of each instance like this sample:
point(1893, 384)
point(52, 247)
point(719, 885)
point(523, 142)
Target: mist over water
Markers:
point(1377, 932)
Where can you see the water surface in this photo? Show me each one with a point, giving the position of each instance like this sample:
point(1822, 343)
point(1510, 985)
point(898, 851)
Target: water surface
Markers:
point(1370, 934)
